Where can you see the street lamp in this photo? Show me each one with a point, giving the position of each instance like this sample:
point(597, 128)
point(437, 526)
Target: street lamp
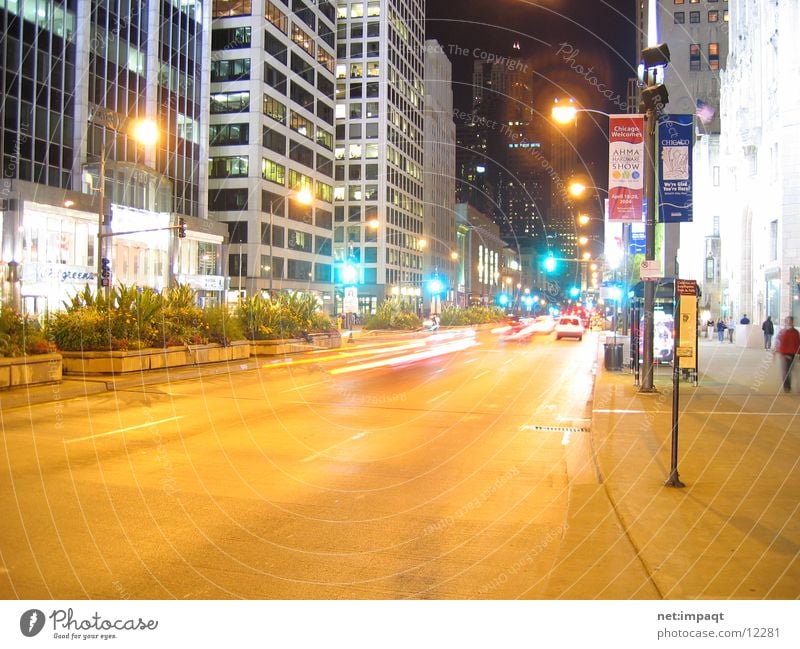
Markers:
point(145, 132)
point(302, 196)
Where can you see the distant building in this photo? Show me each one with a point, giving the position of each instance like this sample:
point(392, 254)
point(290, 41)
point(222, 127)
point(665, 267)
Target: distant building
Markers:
point(272, 137)
point(483, 257)
point(439, 187)
point(378, 195)
point(501, 154)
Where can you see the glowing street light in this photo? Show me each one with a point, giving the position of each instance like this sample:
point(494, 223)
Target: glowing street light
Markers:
point(145, 132)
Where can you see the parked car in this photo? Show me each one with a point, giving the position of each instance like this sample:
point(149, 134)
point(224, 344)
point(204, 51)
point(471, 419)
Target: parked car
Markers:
point(569, 326)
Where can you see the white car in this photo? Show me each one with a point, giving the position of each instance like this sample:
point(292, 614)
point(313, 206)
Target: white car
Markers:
point(543, 324)
point(569, 326)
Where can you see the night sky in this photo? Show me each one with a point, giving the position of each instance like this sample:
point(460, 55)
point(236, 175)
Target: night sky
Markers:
point(596, 39)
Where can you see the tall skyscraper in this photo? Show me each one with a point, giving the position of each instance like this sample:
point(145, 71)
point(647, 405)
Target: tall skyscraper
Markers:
point(378, 192)
point(500, 153)
point(272, 137)
point(440, 254)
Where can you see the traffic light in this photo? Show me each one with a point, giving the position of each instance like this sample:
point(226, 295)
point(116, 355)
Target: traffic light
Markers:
point(105, 272)
point(435, 286)
point(181, 228)
point(502, 299)
point(574, 292)
point(349, 273)
point(550, 263)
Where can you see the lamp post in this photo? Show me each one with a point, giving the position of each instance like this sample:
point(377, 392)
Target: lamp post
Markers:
point(304, 197)
point(654, 98)
point(145, 132)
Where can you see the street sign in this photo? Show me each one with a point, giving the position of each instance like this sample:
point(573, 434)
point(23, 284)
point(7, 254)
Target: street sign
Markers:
point(650, 269)
point(686, 287)
point(350, 302)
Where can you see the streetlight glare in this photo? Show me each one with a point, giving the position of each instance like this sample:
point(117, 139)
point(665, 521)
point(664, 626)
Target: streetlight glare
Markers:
point(304, 196)
point(583, 240)
point(583, 219)
point(564, 114)
point(145, 131)
point(577, 188)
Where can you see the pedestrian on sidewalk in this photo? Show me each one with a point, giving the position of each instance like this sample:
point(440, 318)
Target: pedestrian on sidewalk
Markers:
point(721, 329)
point(731, 328)
point(768, 327)
point(744, 320)
point(787, 346)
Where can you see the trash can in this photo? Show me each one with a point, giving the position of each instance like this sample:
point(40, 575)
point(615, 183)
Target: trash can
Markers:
point(613, 356)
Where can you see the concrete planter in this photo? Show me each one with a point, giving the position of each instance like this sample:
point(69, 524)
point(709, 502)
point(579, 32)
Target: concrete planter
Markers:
point(152, 359)
point(281, 347)
point(30, 370)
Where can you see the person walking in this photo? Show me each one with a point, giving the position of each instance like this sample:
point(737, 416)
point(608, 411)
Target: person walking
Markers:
point(744, 320)
point(731, 328)
point(768, 327)
point(721, 329)
point(787, 346)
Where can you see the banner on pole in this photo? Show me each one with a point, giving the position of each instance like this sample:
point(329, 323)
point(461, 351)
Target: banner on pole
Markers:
point(687, 323)
point(675, 169)
point(625, 167)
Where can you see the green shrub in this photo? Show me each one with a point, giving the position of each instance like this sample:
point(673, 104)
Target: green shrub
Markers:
point(182, 321)
point(223, 327)
point(21, 335)
point(284, 316)
point(80, 329)
point(393, 314)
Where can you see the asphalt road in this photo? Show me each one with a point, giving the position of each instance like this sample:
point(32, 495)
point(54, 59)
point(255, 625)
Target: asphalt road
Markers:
point(395, 468)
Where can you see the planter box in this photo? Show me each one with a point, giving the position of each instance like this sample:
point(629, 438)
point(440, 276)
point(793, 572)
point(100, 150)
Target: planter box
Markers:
point(30, 370)
point(281, 347)
point(152, 359)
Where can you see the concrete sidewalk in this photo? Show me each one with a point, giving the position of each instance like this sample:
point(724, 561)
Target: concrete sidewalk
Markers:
point(734, 530)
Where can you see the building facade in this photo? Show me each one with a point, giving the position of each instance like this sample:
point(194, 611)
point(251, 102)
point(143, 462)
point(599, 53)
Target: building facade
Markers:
point(439, 188)
point(378, 193)
point(78, 75)
point(271, 143)
point(760, 150)
point(697, 35)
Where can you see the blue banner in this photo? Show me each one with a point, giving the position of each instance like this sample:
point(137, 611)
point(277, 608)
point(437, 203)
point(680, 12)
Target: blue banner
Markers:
point(675, 169)
point(637, 239)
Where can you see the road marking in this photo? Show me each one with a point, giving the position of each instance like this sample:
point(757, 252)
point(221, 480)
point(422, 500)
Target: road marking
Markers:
point(303, 387)
point(333, 446)
point(123, 430)
point(442, 395)
point(477, 376)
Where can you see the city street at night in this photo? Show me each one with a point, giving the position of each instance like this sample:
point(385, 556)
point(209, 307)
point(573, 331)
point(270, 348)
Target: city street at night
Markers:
point(444, 477)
